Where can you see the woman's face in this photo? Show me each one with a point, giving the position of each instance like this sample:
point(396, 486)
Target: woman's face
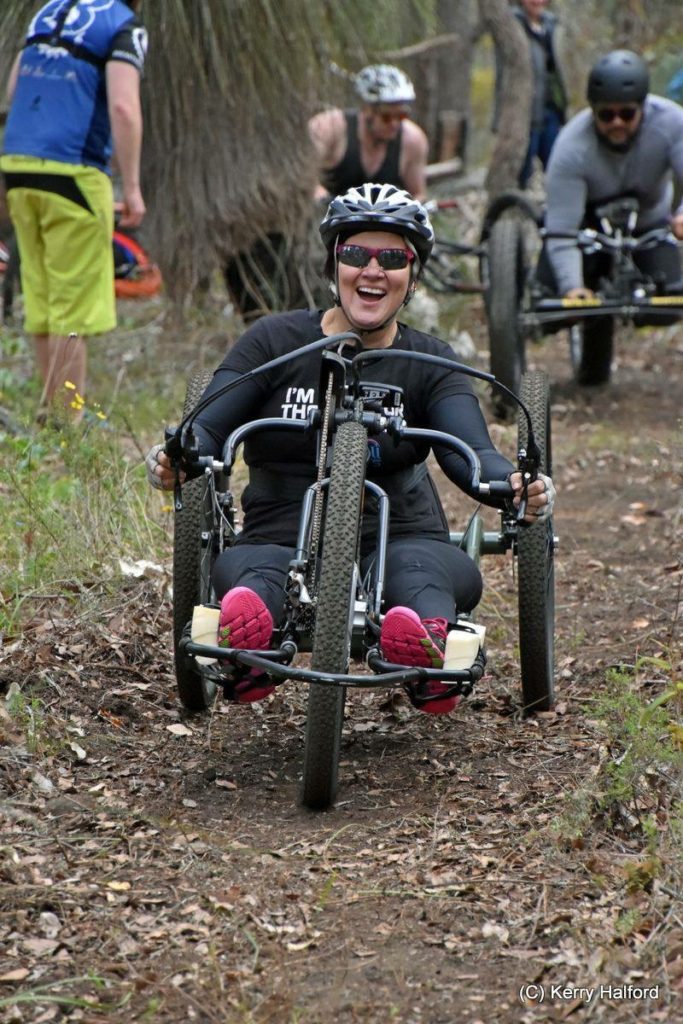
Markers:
point(369, 295)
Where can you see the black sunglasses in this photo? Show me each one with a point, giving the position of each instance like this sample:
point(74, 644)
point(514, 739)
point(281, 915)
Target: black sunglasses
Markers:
point(609, 114)
point(388, 259)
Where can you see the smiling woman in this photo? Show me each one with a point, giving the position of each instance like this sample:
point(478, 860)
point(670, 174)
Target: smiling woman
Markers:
point(378, 239)
point(370, 294)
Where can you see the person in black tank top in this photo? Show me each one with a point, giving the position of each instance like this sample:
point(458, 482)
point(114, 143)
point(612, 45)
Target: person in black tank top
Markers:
point(349, 172)
point(376, 143)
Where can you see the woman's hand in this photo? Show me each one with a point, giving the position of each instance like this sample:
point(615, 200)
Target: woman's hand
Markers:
point(540, 497)
point(160, 471)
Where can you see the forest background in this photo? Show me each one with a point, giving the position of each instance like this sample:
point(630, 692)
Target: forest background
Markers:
point(155, 866)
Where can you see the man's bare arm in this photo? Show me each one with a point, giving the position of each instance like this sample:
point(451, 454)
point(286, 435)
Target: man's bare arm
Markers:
point(125, 114)
point(328, 135)
point(414, 155)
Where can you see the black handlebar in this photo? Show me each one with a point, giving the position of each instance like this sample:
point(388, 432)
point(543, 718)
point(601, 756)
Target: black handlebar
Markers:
point(181, 445)
point(590, 237)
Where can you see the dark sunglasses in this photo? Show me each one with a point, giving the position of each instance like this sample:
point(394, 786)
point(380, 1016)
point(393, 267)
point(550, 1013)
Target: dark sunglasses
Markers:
point(388, 259)
point(609, 114)
point(392, 115)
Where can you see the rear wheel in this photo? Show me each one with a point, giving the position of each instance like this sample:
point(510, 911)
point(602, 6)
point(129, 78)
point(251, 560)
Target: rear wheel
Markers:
point(506, 275)
point(191, 570)
point(334, 616)
point(590, 345)
point(535, 566)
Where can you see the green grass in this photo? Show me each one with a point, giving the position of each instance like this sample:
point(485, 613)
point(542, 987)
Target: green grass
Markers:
point(640, 772)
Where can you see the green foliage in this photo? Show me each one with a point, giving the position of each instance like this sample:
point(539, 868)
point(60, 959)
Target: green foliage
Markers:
point(639, 743)
point(29, 715)
point(641, 768)
point(74, 503)
point(53, 993)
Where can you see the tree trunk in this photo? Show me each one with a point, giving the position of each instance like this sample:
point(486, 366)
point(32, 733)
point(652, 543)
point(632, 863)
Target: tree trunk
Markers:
point(454, 79)
point(630, 24)
point(515, 95)
point(440, 67)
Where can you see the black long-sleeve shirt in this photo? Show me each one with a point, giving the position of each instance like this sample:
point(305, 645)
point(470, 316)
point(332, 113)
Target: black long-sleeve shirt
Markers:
point(434, 397)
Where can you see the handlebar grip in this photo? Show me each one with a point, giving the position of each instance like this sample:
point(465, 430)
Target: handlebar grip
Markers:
point(499, 489)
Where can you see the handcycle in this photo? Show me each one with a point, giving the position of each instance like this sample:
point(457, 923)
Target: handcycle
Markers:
point(445, 273)
point(520, 308)
point(331, 610)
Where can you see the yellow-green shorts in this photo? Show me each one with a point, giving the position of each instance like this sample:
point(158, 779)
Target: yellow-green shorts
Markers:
point(63, 215)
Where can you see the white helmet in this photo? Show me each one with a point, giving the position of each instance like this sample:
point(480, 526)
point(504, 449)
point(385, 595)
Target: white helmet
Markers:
point(383, 83)
point(373, 207)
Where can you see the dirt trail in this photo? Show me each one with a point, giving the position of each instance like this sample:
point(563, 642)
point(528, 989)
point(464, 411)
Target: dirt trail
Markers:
point(175, 865)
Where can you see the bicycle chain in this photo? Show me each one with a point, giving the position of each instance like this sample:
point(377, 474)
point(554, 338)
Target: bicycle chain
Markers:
point(322, 465)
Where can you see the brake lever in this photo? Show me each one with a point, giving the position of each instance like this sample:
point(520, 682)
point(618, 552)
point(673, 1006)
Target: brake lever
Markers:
point(179, 453)
point(527, 464)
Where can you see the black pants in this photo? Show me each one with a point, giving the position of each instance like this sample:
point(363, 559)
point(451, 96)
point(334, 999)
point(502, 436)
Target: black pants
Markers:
point(434, 578)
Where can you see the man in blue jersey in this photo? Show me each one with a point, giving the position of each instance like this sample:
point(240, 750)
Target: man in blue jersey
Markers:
point(74, 90)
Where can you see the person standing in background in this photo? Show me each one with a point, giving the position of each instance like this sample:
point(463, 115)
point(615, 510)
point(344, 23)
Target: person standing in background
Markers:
point(73, 90)
point(549, 97)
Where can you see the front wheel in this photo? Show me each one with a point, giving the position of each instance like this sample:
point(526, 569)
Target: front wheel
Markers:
point(590, 346)
point(536, 566)
point(506, 274)
point(334, 616)
point(191, 570)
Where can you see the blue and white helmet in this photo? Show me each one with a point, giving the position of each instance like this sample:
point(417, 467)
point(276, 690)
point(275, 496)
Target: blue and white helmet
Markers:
point(383, 83)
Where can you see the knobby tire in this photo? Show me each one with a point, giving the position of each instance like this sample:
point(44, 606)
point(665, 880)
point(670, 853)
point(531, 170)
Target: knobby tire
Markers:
point(191, 569)
point(334, 614)
point(506, 272)
point(591, 345)
point(535, 566)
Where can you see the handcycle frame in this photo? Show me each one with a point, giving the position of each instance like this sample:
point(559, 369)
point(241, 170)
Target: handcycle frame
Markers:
point(325, 594)
point(442, 274)
point(518, 308)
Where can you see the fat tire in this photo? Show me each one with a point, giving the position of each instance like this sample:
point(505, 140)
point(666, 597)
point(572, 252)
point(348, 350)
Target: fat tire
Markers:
point(536, 565)
point(591, 344)
point(332, 632)
point(506, 275)
point(191, 585)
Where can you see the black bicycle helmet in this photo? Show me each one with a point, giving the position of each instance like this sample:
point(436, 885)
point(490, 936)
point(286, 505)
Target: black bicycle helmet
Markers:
point(372, 207)
point(619, 77)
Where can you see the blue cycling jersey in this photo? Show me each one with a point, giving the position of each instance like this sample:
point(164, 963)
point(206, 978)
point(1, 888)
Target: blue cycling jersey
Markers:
point(59, 108)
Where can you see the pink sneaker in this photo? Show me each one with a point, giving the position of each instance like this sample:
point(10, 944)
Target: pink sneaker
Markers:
point(406, 639)
point(245, 622)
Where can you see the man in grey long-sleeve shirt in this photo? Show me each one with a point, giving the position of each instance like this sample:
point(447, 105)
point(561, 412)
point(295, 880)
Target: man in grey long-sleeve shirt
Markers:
point(628, 143)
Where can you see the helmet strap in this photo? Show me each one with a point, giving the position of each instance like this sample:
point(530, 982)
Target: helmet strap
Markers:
point(385, 323)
